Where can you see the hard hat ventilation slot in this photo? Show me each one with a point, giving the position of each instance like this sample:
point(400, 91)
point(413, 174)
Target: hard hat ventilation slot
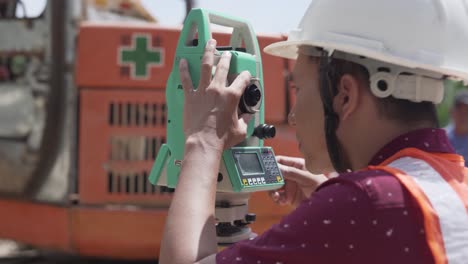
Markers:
point(384, 69)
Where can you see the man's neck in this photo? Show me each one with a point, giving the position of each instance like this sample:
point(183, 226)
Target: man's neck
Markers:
point(363, 145)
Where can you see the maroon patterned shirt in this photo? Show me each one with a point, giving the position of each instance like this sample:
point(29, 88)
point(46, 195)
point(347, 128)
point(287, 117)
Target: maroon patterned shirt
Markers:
point(358, 217)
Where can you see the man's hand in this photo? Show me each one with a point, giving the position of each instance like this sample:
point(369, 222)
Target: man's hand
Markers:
point(299, 182)
point(210, 111)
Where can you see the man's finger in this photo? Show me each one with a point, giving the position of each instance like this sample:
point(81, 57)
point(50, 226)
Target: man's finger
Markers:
point(275, 195)
point(244, 121)
point(302, 177)
point(222, 69)
point(291, 161)
point(207, 64)
point(185, 76)
point(241, 82)
point(280, 196)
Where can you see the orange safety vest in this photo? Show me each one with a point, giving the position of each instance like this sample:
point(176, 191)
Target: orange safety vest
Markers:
point(439, 184)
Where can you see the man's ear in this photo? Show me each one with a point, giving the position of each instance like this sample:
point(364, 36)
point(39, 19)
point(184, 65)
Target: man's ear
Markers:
point(348, 97)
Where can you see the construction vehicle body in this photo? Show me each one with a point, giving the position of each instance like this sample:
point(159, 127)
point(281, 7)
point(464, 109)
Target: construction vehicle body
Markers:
point(82, 117)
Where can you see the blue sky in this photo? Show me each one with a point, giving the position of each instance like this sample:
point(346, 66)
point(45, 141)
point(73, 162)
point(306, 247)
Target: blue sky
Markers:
point(266, 16)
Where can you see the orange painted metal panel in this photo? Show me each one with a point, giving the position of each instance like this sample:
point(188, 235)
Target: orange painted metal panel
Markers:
point(268, 213)
point(42, 225)
point(99, 59)
point(118, 233)
point(123, 232)
point(100, 62)
point(119, 137)
point(275, 72)
point(136, 233)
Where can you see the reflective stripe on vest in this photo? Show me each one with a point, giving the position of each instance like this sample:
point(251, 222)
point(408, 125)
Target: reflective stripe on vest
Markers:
point(450, 209)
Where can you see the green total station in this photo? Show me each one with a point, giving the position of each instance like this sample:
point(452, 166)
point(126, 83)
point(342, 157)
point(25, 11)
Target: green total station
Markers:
point(245, 168)
point(249, 166)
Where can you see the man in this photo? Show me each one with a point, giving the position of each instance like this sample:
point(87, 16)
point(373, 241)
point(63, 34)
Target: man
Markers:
point(367, 76)
point(458, 131)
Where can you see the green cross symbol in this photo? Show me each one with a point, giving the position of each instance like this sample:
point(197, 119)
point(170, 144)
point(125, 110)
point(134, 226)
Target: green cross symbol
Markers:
point(140, 56)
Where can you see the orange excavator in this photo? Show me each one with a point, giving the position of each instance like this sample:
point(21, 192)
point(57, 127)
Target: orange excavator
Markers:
point(81, 124)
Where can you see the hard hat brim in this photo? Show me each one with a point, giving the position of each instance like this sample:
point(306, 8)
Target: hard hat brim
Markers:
point(289, 49)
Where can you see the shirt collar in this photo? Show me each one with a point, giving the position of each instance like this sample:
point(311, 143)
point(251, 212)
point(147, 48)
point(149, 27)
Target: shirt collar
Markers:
point(427, 139)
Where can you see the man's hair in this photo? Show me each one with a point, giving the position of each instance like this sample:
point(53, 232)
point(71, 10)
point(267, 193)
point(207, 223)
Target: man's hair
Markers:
point(404, 111)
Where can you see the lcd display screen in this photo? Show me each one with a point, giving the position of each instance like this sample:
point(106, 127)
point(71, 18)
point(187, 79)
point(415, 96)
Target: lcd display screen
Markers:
point(249, 163)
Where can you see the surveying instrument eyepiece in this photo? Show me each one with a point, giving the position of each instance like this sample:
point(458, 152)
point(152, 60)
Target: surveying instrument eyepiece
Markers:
point(245, 168)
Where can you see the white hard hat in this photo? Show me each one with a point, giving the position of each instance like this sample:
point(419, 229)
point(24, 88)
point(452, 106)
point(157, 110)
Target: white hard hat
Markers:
point(424, 35)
